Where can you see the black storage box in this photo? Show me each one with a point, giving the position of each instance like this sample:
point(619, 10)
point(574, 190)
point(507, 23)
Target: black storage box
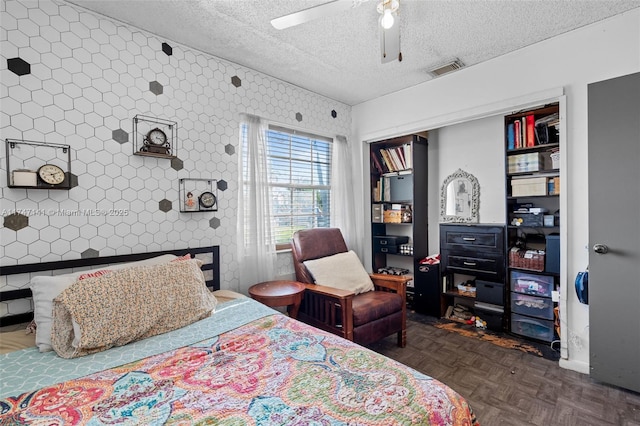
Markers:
point(401, 188)
point(552, 263)
point(489, 292)
point(491, 314)
point(528, 219)
point(389, 244)
point(390, 240)
point(389, 249)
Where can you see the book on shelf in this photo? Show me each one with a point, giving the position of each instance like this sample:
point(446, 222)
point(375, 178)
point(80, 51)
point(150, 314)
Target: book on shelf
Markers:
point(511, 136)
point(392, 159)
point(517, 134)
point(376, 162)
point(387, 160)
point(530, 132)
point(408, 155)
point(400, 151)
point(396, 159)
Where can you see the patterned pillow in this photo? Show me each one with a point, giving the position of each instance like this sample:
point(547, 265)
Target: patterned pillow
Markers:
point(46, 288)
point(95, 314)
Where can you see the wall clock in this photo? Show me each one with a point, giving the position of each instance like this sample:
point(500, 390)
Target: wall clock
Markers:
point(156, 141)
point(154, 137)
point(51, 174)
point(207, 200)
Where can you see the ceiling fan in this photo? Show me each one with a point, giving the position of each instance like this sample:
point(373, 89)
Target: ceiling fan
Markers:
point(388, 10)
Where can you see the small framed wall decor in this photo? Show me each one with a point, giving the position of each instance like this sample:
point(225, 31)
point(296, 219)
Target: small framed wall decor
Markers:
point(155, 137)
point(38, 165)
point(198, 195)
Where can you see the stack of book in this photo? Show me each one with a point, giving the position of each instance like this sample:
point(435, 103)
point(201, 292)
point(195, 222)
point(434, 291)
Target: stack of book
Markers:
point(392, 159)
point(527, 131)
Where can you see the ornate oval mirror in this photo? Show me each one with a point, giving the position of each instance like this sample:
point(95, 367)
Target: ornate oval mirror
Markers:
point(459, 198)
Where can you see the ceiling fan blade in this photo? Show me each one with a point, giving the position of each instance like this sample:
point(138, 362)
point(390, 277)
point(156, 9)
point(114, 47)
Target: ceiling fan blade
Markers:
point(311, 13)
point(390, 44)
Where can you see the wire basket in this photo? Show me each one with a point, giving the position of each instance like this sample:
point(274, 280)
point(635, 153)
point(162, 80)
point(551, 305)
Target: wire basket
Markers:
point(532, 260)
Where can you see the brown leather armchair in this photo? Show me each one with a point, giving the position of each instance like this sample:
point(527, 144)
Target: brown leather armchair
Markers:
point(363, 318)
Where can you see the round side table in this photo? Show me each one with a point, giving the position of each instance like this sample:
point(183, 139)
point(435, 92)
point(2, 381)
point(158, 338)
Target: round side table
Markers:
point(279, 293)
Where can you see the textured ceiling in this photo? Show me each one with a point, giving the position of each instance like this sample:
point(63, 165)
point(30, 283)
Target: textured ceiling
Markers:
point(339, 56)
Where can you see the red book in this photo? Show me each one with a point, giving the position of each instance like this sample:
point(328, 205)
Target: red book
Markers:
point(531, 126)
point(518, 134)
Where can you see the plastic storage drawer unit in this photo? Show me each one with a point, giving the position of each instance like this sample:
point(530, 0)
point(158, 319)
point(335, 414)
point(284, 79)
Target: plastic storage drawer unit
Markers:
point(540, 307)
point(533, 284)
point(532, 327)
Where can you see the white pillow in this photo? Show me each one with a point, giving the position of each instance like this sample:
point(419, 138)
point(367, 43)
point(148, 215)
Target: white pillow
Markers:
point(342, 270)
point(46, 288)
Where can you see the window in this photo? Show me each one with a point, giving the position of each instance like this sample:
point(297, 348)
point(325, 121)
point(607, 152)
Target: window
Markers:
point(299, 175)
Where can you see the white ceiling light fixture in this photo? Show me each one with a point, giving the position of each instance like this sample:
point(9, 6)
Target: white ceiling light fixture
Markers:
point(388, 10)
point(389, 30)
point(389, 33)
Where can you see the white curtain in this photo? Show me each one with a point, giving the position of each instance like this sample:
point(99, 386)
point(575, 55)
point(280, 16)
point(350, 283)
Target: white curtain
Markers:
point(346, 188)
point(256, 248)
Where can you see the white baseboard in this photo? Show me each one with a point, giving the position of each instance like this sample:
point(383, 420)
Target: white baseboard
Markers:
point(579, 366)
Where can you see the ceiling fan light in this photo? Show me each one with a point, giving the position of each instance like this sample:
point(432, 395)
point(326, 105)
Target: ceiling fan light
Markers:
point(392, 5)
point(387, 19)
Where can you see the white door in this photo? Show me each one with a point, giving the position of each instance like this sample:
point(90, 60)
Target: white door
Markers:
point(614, 231)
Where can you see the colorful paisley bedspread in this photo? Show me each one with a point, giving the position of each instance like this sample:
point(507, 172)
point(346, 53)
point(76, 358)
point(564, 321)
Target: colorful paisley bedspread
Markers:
point(272, 371)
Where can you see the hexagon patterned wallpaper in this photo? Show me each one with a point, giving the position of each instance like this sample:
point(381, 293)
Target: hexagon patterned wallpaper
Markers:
point(69, 76)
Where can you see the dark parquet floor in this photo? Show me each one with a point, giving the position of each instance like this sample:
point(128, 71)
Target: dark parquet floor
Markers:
point(511, 387)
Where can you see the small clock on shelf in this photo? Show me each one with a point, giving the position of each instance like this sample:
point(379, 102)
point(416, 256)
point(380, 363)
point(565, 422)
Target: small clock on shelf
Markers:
point(156, 142)
point(38, 165)
point(50, 174)
point(207, 200)
point(154, 137)
point(198, 195)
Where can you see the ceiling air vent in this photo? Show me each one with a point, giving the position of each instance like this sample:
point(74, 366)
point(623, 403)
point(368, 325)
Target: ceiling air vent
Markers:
point(451, 66)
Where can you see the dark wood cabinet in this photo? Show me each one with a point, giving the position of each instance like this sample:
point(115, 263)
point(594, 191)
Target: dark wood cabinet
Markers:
point(398, 170)
point(473, 268)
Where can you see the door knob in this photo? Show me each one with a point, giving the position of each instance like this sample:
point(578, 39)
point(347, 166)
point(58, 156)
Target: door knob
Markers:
point(600, 248)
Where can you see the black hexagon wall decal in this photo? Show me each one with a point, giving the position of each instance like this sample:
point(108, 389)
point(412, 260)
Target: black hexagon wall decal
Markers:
point(165, 205)
point(16, 221)
point(222, 185)
point(298, 116)
point(120, 136)
point(177, 164)
point(235, 80)
point(73, 180)
point(167, 49)
point(334, 114)
point(214, 223)
point(229, 149)
point(156, 88)
point(18, 66)
point(89, 253)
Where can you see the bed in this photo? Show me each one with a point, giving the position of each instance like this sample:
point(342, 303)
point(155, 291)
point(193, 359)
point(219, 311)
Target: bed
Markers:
point(243, 364)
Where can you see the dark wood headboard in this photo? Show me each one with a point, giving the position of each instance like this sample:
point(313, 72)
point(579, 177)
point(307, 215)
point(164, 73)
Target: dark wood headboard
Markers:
point(213, 277)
